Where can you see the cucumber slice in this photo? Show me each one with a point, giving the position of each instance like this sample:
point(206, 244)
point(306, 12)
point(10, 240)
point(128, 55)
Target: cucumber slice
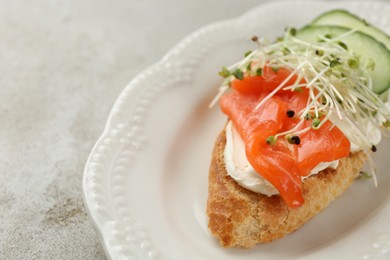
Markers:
point(364, 45)
point(348, 20)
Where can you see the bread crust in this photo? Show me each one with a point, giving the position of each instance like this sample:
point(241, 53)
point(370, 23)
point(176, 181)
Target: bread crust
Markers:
point(241, 218)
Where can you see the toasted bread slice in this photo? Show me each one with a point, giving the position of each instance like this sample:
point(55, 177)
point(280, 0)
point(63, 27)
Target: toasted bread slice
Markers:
point(242, 218)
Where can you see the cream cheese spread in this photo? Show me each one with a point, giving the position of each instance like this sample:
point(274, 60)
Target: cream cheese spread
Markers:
point(239, 168)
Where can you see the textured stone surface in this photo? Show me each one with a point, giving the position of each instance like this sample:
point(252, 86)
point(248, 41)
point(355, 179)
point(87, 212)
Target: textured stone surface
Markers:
point(63, 63)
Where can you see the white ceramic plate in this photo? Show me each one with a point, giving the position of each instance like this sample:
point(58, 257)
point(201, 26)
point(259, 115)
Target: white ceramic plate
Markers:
point(145, 182)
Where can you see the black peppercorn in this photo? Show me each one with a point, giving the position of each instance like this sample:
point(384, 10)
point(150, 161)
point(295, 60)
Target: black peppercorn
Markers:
point(296, 139)
point(290, 113)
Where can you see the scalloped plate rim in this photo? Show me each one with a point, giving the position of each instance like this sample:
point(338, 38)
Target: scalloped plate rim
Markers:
point(129, 88)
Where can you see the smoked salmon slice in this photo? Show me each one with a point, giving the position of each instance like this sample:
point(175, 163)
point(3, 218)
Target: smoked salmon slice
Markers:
point(283, 164)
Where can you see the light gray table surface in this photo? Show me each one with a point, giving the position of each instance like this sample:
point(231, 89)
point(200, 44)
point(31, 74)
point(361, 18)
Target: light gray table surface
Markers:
point(62, 65)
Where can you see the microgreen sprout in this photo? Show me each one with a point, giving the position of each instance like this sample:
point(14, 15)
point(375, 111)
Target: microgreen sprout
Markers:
point(315, 123)
point(297, 89)
point(308, 116)
point(334, 63)
point(337, 81)
point(275, 68)
point(271, 140)
point(319, 52)
point(289, 138)
point(238, 74)
point(353, 63)
point(343, 45)
point(386, 123)
point(293, 31)
point(249, 67)
point(224, 72)
point(364, 176)
point(286, 51)
point(246, 54)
